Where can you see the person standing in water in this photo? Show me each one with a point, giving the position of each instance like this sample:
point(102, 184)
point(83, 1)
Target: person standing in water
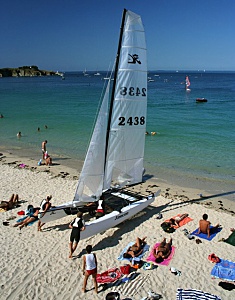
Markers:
point(44, 149)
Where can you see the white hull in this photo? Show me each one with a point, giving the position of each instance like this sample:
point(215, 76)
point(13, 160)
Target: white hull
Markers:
point(114, 218)
point(99, 225)
point(57, 212)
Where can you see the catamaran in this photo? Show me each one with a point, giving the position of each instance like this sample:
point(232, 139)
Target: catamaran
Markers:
point(115, 155)
point(187, 84)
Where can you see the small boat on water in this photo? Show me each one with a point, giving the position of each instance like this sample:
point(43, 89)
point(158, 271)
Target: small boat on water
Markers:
point(199, 100)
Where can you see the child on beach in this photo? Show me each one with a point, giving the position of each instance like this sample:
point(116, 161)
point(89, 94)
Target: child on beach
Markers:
point(89, 268)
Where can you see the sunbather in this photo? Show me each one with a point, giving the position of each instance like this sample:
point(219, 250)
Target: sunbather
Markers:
point(175, 222)
point(162, 251)
point(204, 226)
point(136, 249)
point(11, 203)
point(29, 219)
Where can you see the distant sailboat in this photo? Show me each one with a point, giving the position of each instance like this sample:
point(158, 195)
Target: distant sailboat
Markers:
point(85, 73)
point(187, 84)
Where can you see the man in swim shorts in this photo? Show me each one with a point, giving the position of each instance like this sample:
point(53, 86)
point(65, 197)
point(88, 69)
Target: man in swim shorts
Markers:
point(77, 225)
point(204, 226)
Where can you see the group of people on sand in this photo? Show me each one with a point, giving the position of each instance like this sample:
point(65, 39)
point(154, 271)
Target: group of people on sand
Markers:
point(33, 214)
point(163, 251)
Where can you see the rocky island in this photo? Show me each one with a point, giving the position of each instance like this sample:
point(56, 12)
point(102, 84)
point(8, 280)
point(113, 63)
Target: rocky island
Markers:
point(28, 71)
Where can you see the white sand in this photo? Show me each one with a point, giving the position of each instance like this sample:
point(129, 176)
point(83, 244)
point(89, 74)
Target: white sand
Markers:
point(35, 265)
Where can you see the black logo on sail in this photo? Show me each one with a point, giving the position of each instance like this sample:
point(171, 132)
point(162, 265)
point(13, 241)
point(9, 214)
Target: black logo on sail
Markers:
point(133, 59)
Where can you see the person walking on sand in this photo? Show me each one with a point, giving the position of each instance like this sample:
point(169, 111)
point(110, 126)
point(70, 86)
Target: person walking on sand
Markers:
point(44, 206)
point(44, 149)
point(204, 226)
point(89, 268)
point(77, 225)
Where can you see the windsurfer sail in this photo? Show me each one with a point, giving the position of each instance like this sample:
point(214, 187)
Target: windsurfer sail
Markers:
point(187, 83)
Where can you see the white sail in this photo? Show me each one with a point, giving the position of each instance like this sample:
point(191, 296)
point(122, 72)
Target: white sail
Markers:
point(124, 161)
point(90, 185)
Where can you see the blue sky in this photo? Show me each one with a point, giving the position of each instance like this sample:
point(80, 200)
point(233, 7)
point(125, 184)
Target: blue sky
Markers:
point(72, 35)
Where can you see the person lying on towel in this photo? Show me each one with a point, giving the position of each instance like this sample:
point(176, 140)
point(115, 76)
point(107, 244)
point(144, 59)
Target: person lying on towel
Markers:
point(136, 249)
point(175, 222)
point(162, 251)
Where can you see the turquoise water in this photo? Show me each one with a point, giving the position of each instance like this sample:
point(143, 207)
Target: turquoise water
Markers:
point(193, 140)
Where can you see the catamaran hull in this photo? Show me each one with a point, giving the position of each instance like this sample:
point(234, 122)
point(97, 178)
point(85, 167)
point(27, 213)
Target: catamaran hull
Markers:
point(59, 212)
point(114, 218)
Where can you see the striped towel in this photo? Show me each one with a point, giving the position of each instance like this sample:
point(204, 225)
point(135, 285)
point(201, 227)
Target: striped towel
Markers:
point(131, 286)
point(195, 295)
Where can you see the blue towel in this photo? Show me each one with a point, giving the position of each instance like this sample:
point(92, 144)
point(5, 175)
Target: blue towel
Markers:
point(204, 235)
point(191, 294)
point(23, 218)
point(120, 257)
point(225, 270)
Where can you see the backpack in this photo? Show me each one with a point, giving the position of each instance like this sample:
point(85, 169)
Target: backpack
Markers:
point(167, 227)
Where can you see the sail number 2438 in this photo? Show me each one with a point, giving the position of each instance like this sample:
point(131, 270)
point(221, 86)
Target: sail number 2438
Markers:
point(131, 91)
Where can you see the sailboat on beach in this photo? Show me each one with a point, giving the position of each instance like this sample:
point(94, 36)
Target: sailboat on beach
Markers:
point(114, 158)
point(187, 84)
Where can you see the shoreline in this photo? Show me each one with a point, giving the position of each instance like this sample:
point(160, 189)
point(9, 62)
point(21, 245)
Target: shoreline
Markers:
point(68, 168)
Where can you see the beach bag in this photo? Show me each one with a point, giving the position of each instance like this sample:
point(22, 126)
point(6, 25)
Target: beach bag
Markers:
point(213, 258)
point(125, 269)
point(167, 227)
point(136, 263)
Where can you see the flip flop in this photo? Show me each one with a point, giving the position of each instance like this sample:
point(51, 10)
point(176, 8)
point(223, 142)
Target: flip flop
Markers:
point(190, 237)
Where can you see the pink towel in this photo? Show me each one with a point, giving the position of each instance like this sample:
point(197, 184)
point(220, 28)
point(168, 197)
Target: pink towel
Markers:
point(165, 261)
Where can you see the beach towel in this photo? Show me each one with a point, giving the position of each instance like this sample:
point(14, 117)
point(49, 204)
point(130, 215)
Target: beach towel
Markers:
point(145, 249)
point(111, 275)
point(22, 219)
point(231, 239)
point(191, 294)
point(225, 270)
point(204, 235)
point(166, 261)
point(182, 222)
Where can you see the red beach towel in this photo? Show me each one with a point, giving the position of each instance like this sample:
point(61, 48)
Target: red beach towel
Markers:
point(108, 276)
point(182, 222)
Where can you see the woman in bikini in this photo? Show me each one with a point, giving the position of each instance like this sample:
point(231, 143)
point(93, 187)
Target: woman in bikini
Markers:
point(14, 200)
point(162, 251)
point(136, 249)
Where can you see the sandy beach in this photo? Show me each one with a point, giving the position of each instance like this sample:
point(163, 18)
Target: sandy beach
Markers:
point(35, 265)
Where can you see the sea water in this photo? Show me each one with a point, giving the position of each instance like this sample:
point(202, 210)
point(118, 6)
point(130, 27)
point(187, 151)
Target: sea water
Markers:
point(194, 142)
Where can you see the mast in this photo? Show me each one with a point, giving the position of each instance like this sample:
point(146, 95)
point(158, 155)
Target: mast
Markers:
point(115, 80)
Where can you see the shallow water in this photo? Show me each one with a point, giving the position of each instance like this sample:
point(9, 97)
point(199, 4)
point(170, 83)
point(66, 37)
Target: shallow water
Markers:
point(195, 142)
